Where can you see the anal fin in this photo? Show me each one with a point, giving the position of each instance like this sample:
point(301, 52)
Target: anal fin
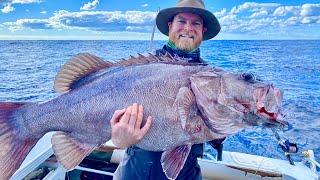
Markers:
point(173, 161)
point(69, 151)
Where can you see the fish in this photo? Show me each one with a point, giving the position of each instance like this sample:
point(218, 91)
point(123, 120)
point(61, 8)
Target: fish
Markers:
point(190, 103)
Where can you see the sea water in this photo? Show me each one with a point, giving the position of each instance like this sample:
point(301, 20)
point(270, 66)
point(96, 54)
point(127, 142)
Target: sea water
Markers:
point(28, 68)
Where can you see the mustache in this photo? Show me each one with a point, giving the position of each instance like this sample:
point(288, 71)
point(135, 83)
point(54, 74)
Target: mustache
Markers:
point(187, 44)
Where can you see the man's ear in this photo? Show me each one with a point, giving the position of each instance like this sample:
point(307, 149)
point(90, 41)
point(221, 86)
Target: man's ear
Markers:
point(204, 29)
point(169, 24)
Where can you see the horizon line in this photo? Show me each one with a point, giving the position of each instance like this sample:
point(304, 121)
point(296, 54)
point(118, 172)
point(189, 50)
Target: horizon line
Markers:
point(154, 40)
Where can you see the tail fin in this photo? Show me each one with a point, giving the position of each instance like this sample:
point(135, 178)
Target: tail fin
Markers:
point(13, 149)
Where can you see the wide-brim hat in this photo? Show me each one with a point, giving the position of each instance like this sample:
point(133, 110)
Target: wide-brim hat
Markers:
point(189, 6)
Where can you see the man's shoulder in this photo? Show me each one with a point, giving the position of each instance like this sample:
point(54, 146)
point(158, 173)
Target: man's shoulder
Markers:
point(161, 52)
point(202, 60)
point(181, 57)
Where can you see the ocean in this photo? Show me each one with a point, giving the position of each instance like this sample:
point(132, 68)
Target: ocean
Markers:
point(28, 68)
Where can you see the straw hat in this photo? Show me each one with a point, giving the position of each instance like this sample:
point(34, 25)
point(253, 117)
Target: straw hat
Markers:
point(189, 6)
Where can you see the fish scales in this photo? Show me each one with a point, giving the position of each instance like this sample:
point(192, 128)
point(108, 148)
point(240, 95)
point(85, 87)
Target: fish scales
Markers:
point(90, 107)
point(189, 103)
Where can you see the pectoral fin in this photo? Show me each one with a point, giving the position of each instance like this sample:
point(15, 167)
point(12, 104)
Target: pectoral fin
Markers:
point(69, 151)
point(185, 102)
point(173, 161)
point(185, 99)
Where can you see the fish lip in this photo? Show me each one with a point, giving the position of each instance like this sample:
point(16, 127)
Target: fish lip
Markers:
point(262, 111)
point(273, 118)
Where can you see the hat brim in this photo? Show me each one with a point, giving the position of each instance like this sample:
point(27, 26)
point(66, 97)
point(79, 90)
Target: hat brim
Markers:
point(210, 21)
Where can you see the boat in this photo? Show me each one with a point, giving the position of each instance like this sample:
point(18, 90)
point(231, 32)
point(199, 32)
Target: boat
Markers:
point(41, 163)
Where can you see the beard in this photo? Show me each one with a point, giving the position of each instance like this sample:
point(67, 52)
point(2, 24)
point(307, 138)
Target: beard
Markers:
point(185, 43)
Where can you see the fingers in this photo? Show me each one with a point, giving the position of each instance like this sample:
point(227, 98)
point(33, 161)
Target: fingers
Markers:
point(126, 126)
point(125, 118)
point(116, 116)
point(134, 114)
point(139, 118)
point(146, 127)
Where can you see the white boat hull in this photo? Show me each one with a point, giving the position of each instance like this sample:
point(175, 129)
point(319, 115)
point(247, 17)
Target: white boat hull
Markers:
point(234, 165)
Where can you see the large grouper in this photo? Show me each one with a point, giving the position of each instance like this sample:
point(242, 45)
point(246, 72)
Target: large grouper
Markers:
point(190, 103)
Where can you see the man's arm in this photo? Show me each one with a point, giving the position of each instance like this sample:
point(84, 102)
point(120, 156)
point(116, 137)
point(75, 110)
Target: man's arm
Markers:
point(126, 126)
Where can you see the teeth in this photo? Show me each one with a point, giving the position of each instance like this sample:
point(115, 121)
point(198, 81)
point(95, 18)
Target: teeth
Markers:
point(186, 36)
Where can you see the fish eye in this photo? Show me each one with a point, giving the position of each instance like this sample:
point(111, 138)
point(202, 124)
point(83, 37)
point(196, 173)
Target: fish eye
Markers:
point(249, 77)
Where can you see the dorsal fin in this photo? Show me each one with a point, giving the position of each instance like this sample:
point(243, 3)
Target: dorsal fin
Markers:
point(141, 59)
point(85, 64)
point(76, 68)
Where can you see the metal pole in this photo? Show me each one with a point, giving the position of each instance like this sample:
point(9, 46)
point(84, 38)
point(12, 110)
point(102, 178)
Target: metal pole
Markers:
point(153, 31)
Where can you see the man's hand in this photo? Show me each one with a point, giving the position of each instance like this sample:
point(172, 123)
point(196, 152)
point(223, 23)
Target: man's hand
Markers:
point(126, 126)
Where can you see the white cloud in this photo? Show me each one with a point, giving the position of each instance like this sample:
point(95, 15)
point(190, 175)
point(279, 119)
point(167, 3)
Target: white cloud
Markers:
point(280, 11)
point(310, 20)
point(252, 17)
point(8, 8)
point(28, 23)
point(253, 7)
point(90, 5)
point(310, 10)
point(20, 1)
point(145, 5)
point(133, 28)
point(25, 1)
point(286, 10)
point(291, 21)
point(221, 13)
point(136, 21)
point(105, 17)
point(43, 12)
point(259, 14)
point(7, 4)
point(248, 18)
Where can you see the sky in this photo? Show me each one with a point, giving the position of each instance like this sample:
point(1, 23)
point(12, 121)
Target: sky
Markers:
point(134, 19)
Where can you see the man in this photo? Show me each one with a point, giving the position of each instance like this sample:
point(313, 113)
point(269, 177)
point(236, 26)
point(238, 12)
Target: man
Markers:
point(187, 25)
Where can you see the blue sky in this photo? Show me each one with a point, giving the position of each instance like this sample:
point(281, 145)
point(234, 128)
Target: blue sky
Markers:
point(124, 19)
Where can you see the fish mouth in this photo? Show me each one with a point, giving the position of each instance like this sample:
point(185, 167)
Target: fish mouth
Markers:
point(268, 101)
point(269, 115)
point(276, 119)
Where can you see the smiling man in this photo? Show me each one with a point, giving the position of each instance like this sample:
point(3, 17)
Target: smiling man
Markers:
point(187, 25)
point(186, 31)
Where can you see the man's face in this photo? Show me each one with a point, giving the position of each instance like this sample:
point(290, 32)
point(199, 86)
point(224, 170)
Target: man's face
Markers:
point(186, 31)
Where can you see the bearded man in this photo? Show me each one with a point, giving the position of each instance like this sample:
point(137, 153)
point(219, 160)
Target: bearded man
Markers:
point(187, 25)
